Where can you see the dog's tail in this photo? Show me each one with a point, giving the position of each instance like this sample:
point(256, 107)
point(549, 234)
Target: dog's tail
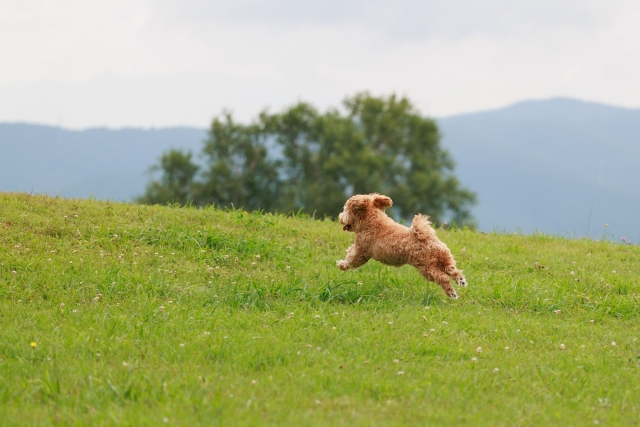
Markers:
point(421, 227)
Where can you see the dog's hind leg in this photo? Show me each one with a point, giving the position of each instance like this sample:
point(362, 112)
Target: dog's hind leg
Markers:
point(442, 279)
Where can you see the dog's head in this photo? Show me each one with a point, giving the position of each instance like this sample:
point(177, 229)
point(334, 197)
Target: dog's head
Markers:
point(359, 207)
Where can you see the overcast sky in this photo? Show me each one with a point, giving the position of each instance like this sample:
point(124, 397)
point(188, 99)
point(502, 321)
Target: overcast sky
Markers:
point(161, 63)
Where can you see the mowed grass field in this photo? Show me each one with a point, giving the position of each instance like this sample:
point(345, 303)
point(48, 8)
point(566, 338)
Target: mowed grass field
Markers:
point(120, 314)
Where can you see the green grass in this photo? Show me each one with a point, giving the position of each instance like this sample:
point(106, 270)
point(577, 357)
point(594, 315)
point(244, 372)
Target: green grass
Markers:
point(151, 315)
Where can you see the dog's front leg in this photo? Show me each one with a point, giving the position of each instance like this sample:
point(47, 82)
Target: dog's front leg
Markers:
point(355, 258)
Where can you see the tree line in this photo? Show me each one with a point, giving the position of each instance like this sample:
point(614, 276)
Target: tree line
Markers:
point(304, 160)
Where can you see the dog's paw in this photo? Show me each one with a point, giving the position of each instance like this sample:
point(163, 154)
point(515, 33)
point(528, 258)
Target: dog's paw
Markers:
point(462, 282)
point(344, 265)
point(453, 294)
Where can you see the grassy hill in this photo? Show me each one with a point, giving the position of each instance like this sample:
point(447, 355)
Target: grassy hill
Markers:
point(135, 315)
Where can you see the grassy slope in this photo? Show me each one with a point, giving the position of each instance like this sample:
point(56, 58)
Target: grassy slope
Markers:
point(167, 318)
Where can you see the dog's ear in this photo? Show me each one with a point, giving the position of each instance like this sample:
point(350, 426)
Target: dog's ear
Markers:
point(381, 202)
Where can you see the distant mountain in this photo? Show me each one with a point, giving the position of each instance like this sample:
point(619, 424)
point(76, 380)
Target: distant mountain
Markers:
point(102, 163)
point(559, 166)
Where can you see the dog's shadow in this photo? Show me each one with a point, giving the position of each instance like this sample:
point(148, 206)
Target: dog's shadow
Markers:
point(348, 292)
point(432, 297)
point(355, 292)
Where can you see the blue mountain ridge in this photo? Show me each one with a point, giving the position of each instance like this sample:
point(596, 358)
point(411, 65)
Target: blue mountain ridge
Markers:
point(560, 165)
point(97, 162)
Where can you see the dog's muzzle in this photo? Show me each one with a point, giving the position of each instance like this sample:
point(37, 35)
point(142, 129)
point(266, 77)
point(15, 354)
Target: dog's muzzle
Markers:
point(343, 218)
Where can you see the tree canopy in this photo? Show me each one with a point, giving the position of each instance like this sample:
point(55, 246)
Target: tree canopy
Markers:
point(305, 160)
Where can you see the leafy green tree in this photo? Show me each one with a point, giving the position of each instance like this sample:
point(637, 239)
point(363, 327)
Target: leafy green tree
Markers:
point(315, 158)
point(176, 182)
point(301, 159)
point(404, 149)
point(239, 171)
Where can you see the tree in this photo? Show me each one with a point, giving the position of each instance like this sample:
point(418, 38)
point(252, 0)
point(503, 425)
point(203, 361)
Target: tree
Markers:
point(240, 172)
point(301, 159)
point(176, 182)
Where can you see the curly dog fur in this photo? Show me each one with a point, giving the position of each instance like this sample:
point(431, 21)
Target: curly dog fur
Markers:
point(381, 238)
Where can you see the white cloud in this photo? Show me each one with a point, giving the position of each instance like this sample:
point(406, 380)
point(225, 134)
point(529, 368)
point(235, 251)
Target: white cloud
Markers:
point(155, 63)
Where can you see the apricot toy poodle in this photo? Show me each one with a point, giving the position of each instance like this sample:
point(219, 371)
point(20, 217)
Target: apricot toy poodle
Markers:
point(381, 238)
